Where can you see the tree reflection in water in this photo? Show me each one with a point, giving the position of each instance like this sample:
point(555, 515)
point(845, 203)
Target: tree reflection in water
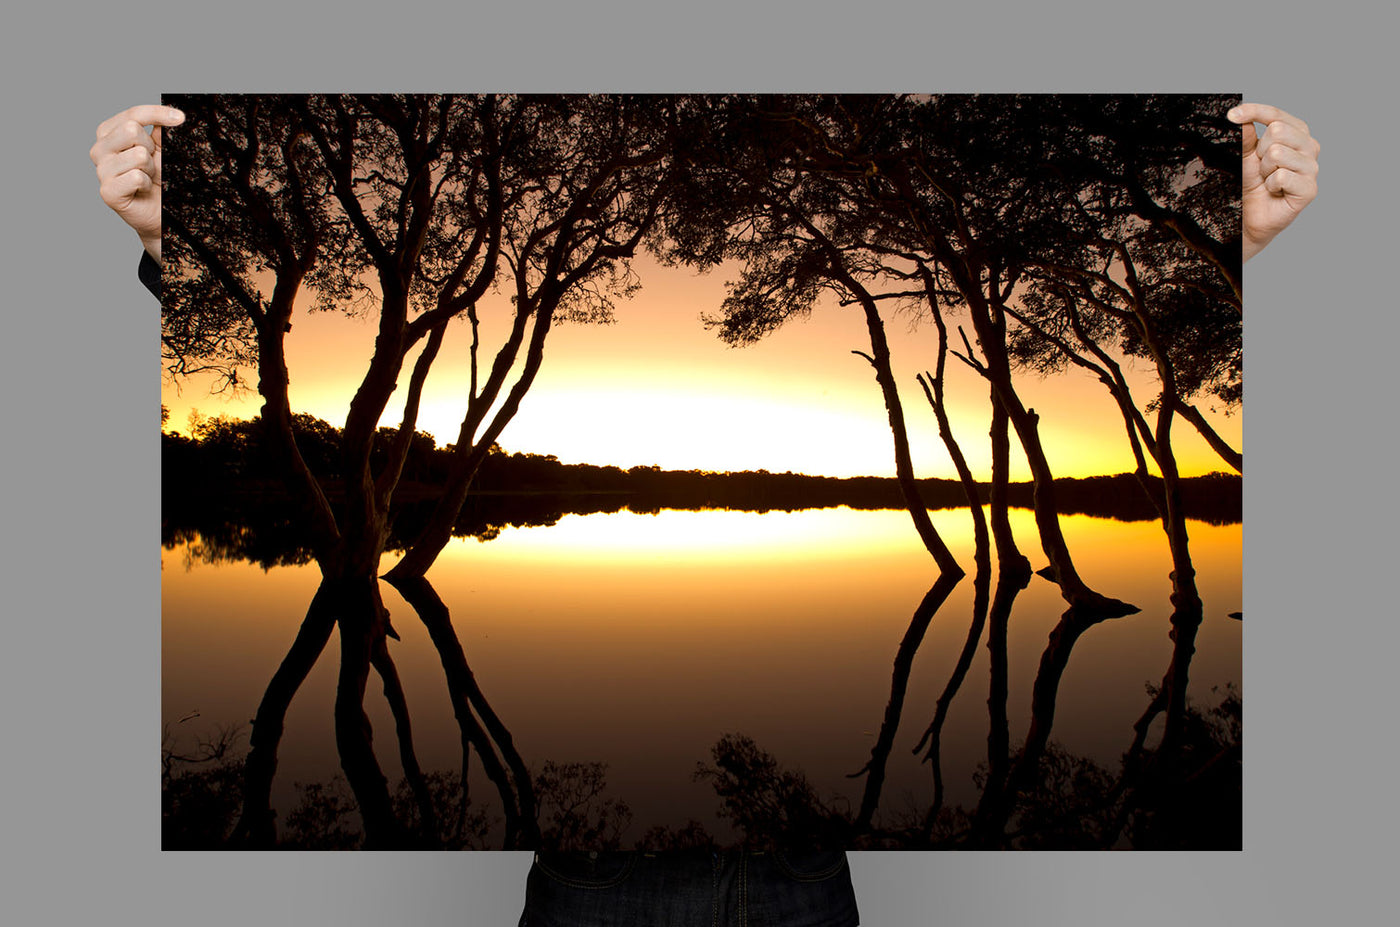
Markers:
point(1033, 793)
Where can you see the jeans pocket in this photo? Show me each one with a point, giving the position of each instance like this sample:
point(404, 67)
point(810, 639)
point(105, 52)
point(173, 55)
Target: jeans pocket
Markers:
point(810, 865)
point(586, 870)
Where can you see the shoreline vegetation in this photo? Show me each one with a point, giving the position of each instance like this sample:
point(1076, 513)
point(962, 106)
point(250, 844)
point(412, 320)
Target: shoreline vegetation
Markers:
point(221, 486)
point(760, 803)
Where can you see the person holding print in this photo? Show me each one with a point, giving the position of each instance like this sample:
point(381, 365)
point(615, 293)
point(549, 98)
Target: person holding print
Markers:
point(127, 157)
point(1279, 181)
point(1280, 172)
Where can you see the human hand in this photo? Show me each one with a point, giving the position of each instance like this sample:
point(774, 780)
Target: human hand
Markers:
point(127, 159)
point(1280, 172)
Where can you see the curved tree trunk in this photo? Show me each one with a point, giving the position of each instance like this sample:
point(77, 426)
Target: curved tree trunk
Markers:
point(1110, 374)
point(903, 462)
point(933, 391)
point(1044, 693)
point(516, 788)
point(981, 542)
point(970, 272)
point(933, 735)
point(438, 531)
point(989, 818)
point(361, 619)
point(1226, 453)
point(1047, 511)
point(1011, 562)
point(256, 827)
point(398, 704)
point(982, 557)
point(879, 358)
point(874, 769)
point(1187, 609)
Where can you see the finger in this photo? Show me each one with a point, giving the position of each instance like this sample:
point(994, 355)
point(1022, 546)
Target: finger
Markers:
point(1262, 112)
point(1251, 138)
point(155, 137)
point(122, 136)
point(123, 161)
point(123, 188)
point(1282, 133)
point(1290, 184)
point(147, 115)
point(1279, 156)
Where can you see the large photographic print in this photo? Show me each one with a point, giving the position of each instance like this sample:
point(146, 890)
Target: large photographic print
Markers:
point(606, 471)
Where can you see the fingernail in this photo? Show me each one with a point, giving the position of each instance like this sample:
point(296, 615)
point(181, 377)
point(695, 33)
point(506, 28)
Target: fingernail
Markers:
point(1234, 113)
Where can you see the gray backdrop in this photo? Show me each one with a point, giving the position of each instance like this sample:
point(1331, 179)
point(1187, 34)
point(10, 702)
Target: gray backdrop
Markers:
point(81, 661)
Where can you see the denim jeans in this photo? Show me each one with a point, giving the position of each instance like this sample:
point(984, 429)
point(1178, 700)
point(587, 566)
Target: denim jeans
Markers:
point(690, 888)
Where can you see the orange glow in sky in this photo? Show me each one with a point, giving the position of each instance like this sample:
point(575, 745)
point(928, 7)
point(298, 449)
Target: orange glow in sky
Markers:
point(656, 387)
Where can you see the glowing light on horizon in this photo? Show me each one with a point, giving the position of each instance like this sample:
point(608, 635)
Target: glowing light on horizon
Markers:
point(657, 388)
point(675, 538)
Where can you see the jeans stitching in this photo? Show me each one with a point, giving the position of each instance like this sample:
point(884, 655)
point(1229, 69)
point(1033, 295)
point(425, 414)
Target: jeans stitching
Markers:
point(575, 883)
point(819, 876)
point(714, 890)
point(743, 890)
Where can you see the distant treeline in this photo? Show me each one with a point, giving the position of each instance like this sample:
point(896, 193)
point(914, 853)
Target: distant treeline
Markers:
point(225, 477)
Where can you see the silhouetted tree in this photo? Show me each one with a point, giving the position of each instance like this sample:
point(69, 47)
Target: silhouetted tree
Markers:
point(965, 192)
point(199, 788)
point(758, 187)
point(858, 193)
point(416, 206)
point(1155, 276)
point(770, 805)
point(574, 812)
point(874, 768)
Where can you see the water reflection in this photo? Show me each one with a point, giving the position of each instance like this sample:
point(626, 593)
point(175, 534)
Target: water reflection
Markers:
point(613, 677)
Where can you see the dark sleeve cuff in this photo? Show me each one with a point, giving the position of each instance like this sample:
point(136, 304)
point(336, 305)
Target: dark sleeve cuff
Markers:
point(149, 272)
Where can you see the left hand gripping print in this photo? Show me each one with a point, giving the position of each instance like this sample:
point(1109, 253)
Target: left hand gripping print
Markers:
point(588, 472)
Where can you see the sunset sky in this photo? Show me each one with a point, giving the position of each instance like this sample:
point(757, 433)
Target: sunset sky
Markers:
point(658, 388)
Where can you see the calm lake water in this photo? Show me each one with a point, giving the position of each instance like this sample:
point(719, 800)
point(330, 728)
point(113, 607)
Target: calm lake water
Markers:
point(639, 640)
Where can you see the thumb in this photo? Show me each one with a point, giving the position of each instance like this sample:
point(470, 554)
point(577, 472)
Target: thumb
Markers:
point(155, 137)
point(1251, 138)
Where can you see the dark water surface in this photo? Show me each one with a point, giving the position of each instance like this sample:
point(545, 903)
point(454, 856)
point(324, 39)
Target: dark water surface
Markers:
point(640, 640)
